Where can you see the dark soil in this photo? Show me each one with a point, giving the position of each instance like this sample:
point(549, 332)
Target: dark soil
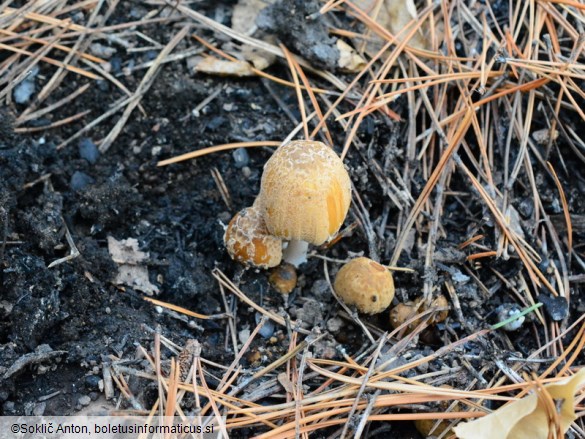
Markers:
point(59, 325)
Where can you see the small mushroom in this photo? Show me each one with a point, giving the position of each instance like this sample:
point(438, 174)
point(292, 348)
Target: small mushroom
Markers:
point(283, 278)
point(247, 240)
point(304, 197)
point(439, 302)
point(434, 427)
point(401, 313)
point(366, 284)
point(405, 311)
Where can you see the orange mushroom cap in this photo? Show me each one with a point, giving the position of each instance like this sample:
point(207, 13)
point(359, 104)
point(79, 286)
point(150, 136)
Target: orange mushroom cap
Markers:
point(365, 284)
point(247, 240)
point(305, 192)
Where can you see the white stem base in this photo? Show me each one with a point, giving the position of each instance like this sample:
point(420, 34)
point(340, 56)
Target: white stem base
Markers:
point(296, 252)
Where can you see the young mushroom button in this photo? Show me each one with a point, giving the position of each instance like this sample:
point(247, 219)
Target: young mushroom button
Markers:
point(247, 240)
point(304, 197)
point(365, 284)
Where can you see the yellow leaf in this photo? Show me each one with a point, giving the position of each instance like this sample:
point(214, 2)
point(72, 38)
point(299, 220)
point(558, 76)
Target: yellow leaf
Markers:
point(221, 67)
point(401, 13)
point(349, 59)
point(527, 418)
point(392, 15)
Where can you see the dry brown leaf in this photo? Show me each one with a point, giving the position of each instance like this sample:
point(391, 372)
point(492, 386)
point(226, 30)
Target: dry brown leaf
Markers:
point(528, 417)
point(401, 13)
point(245, 13)
point(220, 67)
point(135, 276)
point(244, 22)
point(126, 254)
point(259, 58)
point(285, 382)
point(125, 251)
point(349, 60)
point(543, 136)
point(391, 15)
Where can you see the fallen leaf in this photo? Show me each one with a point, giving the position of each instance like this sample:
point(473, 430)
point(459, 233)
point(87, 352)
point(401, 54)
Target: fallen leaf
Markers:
point(527, 418)
point(214, 66)
point(244, 21)
point(401, 13)
point(245, 13)
point(285, 382)
point(349, 59)
point(126, 254)
point(125, 251)
point(392, 15)
point(259, 58)
point(135, 276)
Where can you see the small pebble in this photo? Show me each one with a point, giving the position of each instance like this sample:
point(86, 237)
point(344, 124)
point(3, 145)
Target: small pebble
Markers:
point(84, 400)
point(23, 91)
point(39, 409)
point(557, 308)
point(224, 217)
point(9, 407)
point(92, 382)
point(508, 310)
point(334, 325)
point(80, 180)
point(216, 122)
point(244, 335)
point(116, 64)
point(88, 150)
point(267, 329)
point(102, 51)
point(241, 157)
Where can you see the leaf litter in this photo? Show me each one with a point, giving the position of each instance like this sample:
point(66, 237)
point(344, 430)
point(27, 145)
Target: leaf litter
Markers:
point(444, 126)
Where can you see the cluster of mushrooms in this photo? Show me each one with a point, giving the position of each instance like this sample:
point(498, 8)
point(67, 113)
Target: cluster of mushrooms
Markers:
point(305, 193)
point(304, 197)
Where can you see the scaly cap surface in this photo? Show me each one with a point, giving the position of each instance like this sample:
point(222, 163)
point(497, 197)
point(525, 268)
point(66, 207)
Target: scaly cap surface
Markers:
point(305, 192)
point(365, 284)
point(247, 240)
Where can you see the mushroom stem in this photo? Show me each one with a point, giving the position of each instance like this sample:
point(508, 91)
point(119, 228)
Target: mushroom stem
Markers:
point(296, 252)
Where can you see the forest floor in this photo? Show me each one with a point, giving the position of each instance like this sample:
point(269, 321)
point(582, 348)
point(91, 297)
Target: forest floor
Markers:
point(467, 177)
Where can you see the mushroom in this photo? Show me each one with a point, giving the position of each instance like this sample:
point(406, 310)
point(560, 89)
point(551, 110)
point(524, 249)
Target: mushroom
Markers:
point(304, 197)
point(401, 313)
point(440, 316)
point(366, 284)
point(283, 278)
point(405, 311)
point(247, 240)
point(433, 427)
